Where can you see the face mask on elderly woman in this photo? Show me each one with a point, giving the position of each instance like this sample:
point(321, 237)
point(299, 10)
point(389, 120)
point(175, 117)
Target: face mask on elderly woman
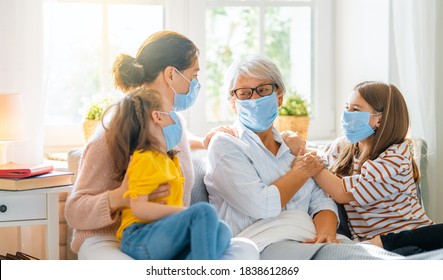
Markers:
point(257, 114)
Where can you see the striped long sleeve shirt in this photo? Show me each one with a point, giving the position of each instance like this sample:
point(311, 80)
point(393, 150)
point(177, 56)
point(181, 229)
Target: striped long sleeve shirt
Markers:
point(384, 191)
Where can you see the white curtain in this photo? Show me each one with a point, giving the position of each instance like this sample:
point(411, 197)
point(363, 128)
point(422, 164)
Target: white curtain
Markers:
point(22, 71)
point(416, 65)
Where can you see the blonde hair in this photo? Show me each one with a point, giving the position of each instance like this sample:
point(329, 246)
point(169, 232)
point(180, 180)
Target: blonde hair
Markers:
point(394, 127)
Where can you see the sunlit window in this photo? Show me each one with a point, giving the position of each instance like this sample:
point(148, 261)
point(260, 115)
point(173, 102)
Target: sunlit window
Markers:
point(84, 39)
point(87, 35)
point(281, 30)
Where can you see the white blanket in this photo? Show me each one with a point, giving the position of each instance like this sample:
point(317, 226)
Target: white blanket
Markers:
point(294, 225)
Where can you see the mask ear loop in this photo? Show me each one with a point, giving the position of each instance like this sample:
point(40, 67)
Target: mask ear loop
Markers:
point(182, 75)
point(385, 115)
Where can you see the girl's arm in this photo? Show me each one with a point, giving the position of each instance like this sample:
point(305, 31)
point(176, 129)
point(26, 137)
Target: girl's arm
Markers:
point(333, 186)
point(151, 211)
point(325, 222)
point(305, 166)
point(293, 141)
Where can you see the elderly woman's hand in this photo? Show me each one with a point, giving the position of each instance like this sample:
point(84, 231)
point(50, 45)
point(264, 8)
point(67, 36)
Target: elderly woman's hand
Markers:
point(293, 141)
point(308, 162)
point(323, 238)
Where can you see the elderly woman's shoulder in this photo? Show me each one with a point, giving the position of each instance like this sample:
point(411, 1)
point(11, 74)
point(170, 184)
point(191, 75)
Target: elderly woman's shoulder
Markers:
point(222, 140)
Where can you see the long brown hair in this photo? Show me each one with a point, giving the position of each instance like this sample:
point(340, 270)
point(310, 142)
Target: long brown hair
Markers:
point(388, 100)
point(127, 129)
point(158, 51)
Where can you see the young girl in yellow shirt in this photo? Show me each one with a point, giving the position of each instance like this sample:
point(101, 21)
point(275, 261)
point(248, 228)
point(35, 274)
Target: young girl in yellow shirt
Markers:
point(140, 126)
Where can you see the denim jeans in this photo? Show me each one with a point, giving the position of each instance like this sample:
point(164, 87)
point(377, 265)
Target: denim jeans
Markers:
point(195, 233)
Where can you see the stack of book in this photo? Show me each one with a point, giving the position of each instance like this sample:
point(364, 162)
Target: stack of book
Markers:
point(19, 176)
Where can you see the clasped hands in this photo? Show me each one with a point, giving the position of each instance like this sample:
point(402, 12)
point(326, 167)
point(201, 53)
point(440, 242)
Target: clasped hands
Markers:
point(307, 162)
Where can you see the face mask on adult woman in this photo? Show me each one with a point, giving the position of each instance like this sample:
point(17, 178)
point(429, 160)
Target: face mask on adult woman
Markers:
point(183, 101)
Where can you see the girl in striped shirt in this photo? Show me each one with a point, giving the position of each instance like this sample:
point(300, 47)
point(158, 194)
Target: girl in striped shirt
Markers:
point(373, 173)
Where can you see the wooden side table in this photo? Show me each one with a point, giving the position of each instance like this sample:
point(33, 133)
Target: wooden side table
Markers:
point(34, 207)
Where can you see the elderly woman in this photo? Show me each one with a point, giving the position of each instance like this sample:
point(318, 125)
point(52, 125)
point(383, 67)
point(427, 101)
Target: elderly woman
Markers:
point(261, 189)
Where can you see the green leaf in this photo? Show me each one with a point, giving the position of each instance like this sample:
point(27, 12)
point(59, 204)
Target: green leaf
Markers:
point(94, 107)
point(294, 105)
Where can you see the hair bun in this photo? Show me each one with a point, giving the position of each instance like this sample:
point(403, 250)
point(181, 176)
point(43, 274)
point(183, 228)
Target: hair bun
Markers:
point(128, 72)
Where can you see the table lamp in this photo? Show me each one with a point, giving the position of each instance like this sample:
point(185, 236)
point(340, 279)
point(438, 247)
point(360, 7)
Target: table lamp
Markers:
point(12, 121)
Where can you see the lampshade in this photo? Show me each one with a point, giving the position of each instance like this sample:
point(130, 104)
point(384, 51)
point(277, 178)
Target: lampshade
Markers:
point(12, 117)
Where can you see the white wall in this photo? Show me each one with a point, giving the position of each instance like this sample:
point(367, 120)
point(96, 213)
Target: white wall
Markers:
point(362, 46)
point(21, 71)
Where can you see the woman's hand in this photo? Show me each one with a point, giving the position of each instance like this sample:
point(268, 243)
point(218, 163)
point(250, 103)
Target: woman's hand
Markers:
point(323, 238)
point(226, 129)
point(116, 200)
point(325, 222)
point(293, 141)
point(308, 163)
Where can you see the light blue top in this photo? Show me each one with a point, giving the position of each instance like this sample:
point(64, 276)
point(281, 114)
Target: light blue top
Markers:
point(239, 180)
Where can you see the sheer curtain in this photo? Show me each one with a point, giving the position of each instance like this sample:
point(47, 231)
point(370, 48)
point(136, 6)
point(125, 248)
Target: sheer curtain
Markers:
point(21, 70)
point(416, 65)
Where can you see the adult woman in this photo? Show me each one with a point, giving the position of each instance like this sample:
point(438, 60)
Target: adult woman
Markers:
point(254, 180)
point(167, 62)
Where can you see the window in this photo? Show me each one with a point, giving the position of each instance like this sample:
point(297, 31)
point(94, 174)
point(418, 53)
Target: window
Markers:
point(87, 35)
point(280, 31)
point(294, 34)
point(83, 40)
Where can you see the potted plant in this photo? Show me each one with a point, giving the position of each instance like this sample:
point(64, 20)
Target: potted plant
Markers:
point(92, 111)
point(294, 115)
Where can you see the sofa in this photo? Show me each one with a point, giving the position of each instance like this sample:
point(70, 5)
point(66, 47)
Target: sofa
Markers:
point(199, 192)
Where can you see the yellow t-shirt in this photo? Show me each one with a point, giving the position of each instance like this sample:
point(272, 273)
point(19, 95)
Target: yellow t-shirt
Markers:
point(147, 170)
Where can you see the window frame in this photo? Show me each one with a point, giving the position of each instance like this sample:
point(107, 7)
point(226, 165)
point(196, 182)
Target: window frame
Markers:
point(63, 137)
point(186, 17)
point(322, 121)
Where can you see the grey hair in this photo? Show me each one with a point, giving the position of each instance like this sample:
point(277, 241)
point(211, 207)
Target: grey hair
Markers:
point(255, 66)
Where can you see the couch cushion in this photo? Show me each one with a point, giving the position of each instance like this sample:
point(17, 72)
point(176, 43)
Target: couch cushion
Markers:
point(198, 192)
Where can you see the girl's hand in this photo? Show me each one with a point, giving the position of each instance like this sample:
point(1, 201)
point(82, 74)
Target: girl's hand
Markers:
point(293, 141)
point(308, 163)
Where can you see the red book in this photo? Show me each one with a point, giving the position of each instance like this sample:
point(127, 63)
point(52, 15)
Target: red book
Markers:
point(23, 170)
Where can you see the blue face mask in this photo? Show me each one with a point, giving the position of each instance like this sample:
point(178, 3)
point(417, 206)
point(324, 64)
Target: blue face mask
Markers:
point(173, 133)
point(356, 126)
point(257, 114)
point(186, 100)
